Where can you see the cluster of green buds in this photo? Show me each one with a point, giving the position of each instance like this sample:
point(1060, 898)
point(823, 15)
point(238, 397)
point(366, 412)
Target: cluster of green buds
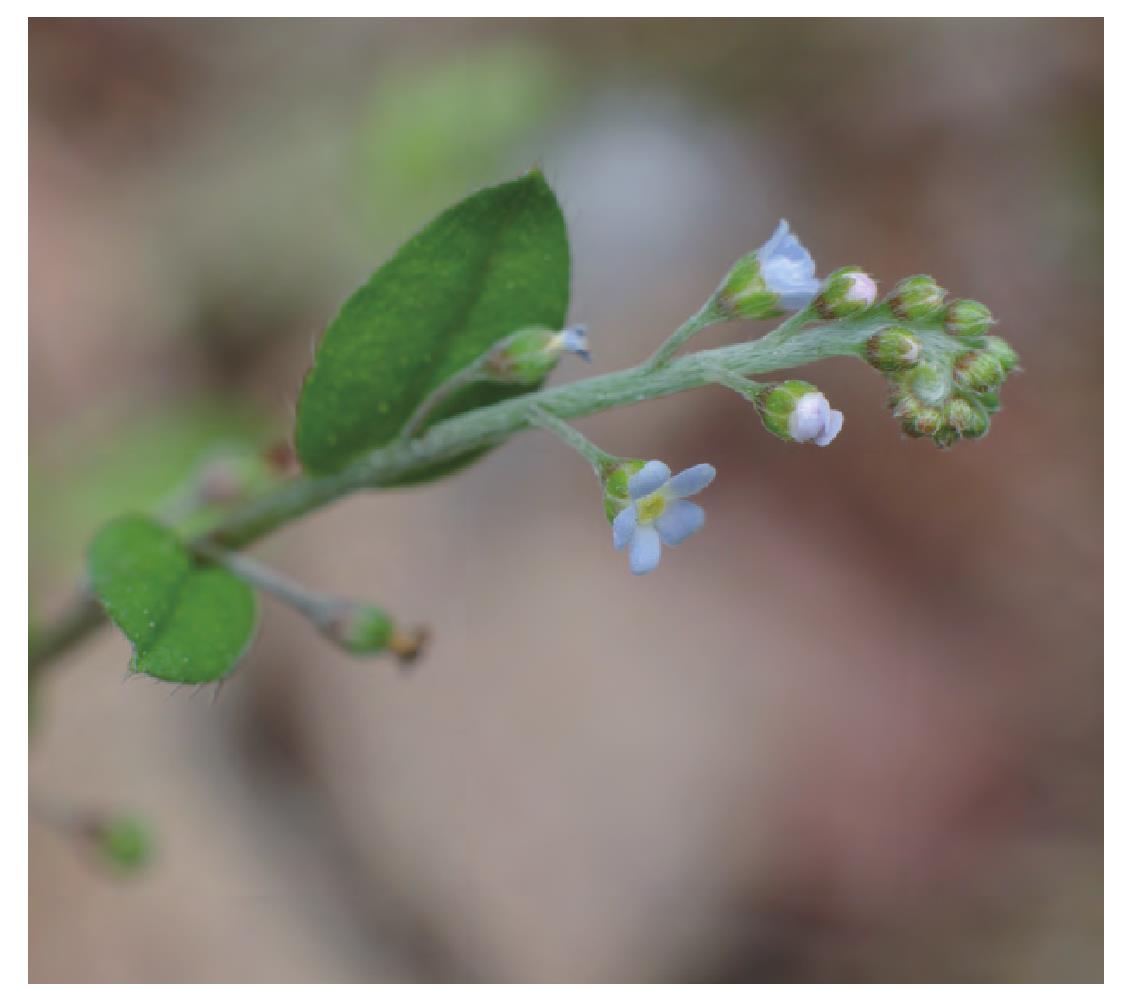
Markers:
point(944, 368)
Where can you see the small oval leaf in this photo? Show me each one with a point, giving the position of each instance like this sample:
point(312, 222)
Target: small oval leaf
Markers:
point(495, 262)
point(187, 623)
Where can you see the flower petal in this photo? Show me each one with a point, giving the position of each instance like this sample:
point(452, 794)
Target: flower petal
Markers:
point(649, 478)
point(831, 428)
point(645, 550)
point(679, 520)
point(810, 417)
point(623, 528)
point(770, 247)
point(574, 340)
point(691, 481)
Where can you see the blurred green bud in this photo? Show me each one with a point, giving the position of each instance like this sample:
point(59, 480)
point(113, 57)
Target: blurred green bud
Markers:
point(967, 416)
point(990, 401)
point(917, 297)
point(527, 356)
point(979, 371)
point(1006, 355)
point(945, 438)
point(125, 843)
point(365, 629)
point(798, 411)
point(892, 349)
point(918, 419)
point(926, 382)
point(615, 491)
point(848, 292)
point(967, 318)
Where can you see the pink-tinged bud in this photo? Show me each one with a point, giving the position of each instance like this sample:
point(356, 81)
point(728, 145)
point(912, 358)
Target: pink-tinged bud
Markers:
point(848, 292)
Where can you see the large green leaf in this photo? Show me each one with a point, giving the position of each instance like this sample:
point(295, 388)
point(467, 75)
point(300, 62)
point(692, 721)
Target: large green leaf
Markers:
point(494, 262)
point(188, 623)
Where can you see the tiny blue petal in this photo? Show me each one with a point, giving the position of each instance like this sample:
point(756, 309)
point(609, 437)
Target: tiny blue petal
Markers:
point(646, 550)
point(649, 478)
point(574, 339)
point(679, 520)
point(691, 481)
point(623, 528)
point(831, 428)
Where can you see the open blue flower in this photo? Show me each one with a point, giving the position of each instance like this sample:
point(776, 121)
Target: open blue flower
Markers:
point(788, 269)
point(658, 512)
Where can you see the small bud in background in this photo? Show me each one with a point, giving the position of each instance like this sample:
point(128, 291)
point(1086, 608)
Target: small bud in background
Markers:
point(124, 843)
point(927, 383)
point(848, 292)
point(797, 410)
point(968, 417)
point(1006, 355)
point(967, 318)
point(892, 349)
point(917, 297)
point(366, 629)
point(777, 278)
point(527, 356)
point(979, 371)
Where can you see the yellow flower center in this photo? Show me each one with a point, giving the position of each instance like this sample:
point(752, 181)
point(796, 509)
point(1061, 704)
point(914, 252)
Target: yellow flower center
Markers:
point(650, 507)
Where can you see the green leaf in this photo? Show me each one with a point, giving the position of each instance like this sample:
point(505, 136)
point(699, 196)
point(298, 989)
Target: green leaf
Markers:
point(188, 623)
point(493, 263)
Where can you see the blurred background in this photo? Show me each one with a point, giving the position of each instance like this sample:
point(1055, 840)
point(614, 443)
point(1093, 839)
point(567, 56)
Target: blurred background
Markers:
point(852, 732)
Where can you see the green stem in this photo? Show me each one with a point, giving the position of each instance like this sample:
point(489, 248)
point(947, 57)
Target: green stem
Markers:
point(599, 459)
point(490, 425)
point(438, 396)
point(310, 604)
point(708, 315)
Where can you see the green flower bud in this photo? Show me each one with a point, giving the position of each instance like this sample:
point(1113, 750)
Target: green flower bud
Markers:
point(917, 297)
point(945, 438)
point(918, 419)
point(125, 843)
point(892, 349)
point(615, 493)
point(967, 318)
point(926, 382)
point(744, 296)
point(968, 417)
point(990, 401)
point(527, 356)
point(1006, 355)
point(979, 371)
point(366, 629)
point(848, 292)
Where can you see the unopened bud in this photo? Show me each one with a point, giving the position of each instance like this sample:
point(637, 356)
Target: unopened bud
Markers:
point(777, 278)
point(527, 356)
point(125, 843)
point(848, 292)
point(979, 371)
point(967, 318)
point(968, 417)
point(797, 410)
point(918, 419)
point(366, 629)
point(917, 297)
point(1006, 355)
point(892, 349)
point(927, 383)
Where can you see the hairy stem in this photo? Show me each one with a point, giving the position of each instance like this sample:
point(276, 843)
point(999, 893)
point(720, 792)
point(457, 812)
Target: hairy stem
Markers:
point(491, 424)
point(599, 459)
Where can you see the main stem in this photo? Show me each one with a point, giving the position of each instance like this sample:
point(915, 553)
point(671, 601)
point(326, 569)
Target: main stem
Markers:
point(490, 425)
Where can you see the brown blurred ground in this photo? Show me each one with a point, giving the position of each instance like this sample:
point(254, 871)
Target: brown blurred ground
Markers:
point(851, 732)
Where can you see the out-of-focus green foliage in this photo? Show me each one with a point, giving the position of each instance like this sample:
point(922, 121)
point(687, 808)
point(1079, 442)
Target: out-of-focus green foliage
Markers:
point(434, 129)
point(188, 624)
point(496, 261)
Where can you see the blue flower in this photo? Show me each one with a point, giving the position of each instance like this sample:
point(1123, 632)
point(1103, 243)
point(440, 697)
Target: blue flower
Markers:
point(788, 269)
point(657, 512)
